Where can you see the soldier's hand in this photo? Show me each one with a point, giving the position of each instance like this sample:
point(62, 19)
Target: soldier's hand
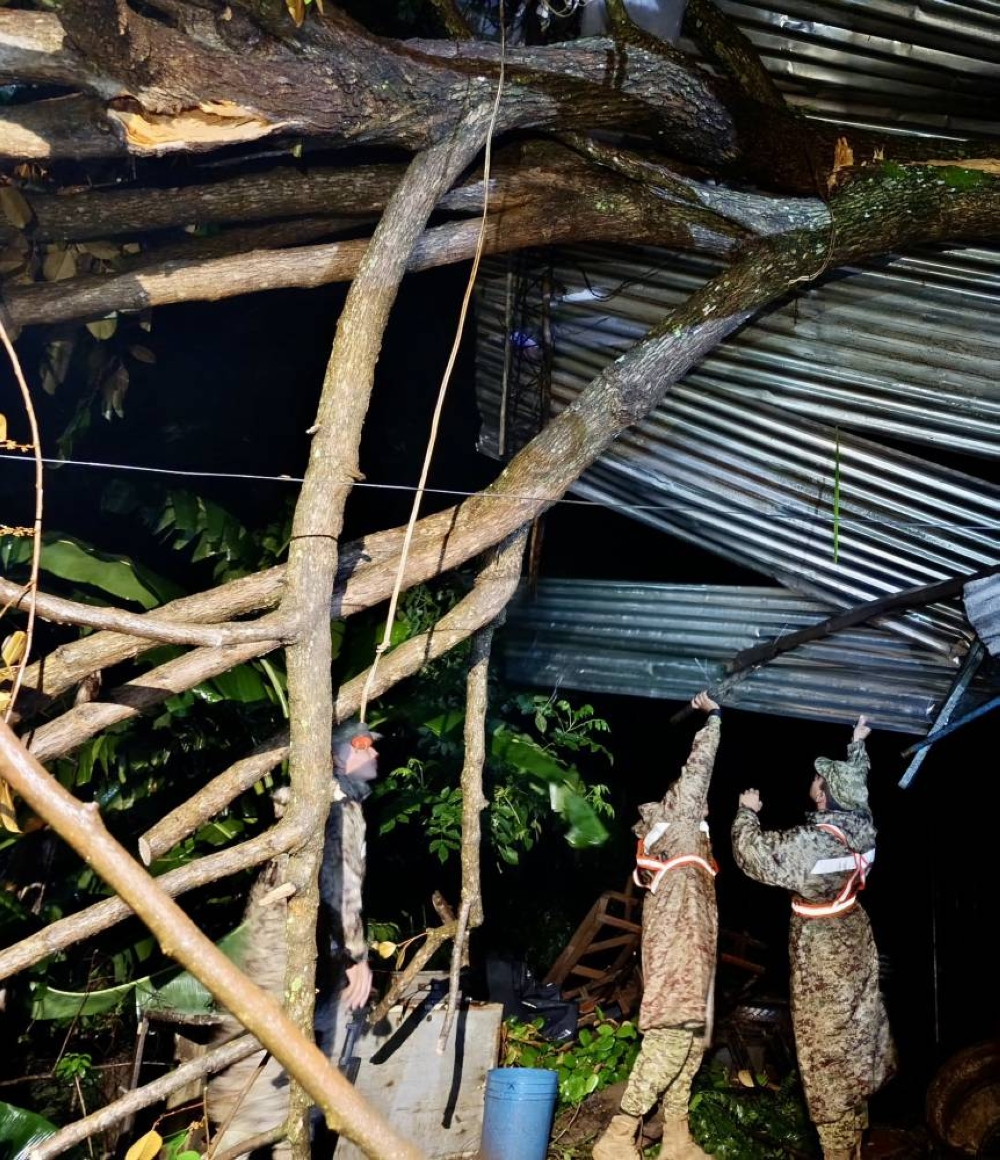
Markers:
point(704, 702)
point(359, 985)
point(862, 729)
point(750, 799)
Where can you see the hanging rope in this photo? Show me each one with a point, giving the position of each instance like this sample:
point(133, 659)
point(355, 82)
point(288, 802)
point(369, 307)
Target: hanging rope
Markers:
point(436, 418)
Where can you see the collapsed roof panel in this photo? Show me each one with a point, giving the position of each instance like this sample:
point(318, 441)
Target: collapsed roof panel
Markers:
point(668, 641)
point(982, 606)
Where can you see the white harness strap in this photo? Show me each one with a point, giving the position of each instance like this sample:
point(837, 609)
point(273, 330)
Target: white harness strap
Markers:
point(859, 864)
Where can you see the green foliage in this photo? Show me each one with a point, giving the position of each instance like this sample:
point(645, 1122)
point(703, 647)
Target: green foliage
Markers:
point(762, 1122)
point(533, 743)
point(189, 522)
point(168, 991)
point(21, 1131)
point(599, 1056)
point(73, 1066)
point(529, 773)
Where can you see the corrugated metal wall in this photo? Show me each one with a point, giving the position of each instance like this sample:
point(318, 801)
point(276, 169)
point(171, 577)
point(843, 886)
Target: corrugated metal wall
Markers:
point(752, 481)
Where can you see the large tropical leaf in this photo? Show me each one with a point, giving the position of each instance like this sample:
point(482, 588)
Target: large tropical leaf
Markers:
point(21, 1131)
point(180, 993)
point(79, 563)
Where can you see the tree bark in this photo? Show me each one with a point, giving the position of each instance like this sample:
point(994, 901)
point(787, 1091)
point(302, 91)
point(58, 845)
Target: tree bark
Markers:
point(312, 560)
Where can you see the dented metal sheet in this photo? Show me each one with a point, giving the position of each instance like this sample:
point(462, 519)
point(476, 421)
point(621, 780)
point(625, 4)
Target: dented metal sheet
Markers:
point(930, 66)
point(906, 348)
point(816, 507)
point(664, 641)
point(982, 606)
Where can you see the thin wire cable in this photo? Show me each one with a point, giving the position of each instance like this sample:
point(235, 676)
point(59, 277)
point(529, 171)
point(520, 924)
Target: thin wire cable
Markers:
point(788, 513)
point(446, 378)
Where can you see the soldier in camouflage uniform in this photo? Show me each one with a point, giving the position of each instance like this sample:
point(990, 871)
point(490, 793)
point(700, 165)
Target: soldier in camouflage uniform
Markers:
point(842, 1039)
point(679, 937)
point(344, 977)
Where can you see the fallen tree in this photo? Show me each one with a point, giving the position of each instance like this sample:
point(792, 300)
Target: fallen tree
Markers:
point(714, 162)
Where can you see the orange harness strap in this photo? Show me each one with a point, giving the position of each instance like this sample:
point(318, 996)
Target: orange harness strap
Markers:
point(659, 866)
point(848, 895)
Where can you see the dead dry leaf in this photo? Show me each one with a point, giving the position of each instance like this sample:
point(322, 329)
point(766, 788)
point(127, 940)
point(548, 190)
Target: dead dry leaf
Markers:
point(59, 264)
point(15, 207)
point(8, 815)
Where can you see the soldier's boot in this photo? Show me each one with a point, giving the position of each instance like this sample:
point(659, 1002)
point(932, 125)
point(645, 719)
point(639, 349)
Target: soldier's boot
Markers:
point(678, 1143)
point(840, 1154)
point(618, 1141)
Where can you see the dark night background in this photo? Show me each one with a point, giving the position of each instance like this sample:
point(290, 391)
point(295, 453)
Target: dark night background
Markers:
point(234, 388)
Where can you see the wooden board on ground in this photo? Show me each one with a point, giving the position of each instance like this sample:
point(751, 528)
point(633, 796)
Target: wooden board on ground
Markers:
point(435, 1101)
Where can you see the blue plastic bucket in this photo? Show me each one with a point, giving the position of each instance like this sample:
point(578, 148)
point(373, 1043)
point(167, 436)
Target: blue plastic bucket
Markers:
point(517, 1120)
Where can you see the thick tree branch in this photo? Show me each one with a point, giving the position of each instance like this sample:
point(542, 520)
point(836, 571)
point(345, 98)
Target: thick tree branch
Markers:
point(722, 43)
point(76, 725)
point(470, 911)
point(604, 210)
point(65, 932)
point(312, 561)
point(151, 626)
point(491, 593)
point(275, 195)
point(937, 207)
point(61, 127)
point(67, 665)
point(494, 587)
point(81, 826)
point(213, 797)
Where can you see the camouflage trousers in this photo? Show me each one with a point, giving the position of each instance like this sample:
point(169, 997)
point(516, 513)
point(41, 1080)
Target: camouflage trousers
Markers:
point(843, 1134)
point(665, 1066)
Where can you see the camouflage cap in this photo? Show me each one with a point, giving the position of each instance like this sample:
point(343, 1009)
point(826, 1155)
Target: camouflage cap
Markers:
point(847, 781)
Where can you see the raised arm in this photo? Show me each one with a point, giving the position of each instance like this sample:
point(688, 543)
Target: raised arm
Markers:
point(777, 857)
point(690, 792)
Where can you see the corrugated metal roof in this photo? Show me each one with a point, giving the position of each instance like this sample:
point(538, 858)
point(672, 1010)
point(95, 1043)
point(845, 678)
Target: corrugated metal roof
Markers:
point(982, 606)
point(667, 641)
point(745, 479)
point(933, 65)
point(907, 348)
point(740, 458)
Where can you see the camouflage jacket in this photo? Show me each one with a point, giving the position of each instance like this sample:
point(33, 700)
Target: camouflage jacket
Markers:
point(791, 858)
point(842, 1040)
point(342, 874)
point(680, 921)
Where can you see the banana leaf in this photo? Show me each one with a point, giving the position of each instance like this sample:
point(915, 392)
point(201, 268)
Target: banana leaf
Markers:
point(21, 1130)
point(177, 993)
